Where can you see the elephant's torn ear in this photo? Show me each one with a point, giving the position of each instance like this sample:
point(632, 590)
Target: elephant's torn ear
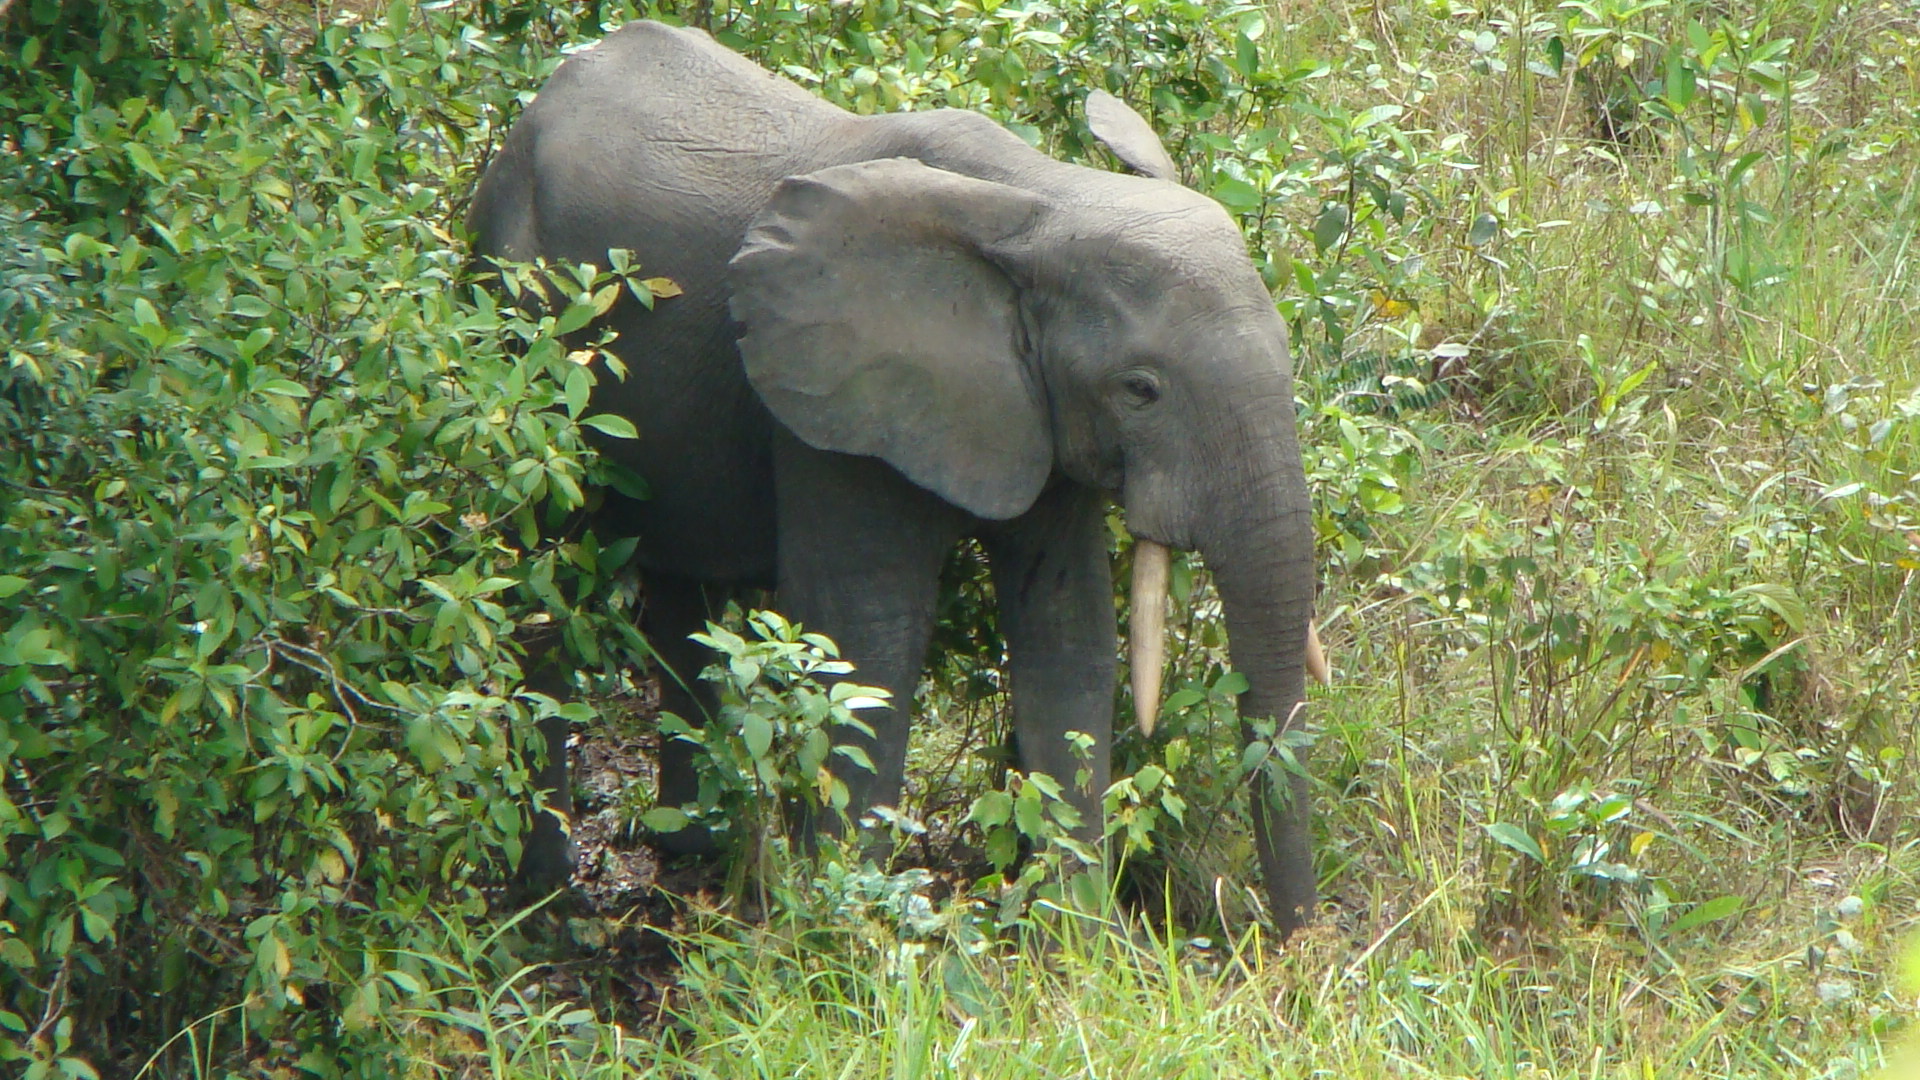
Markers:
point(1129, 136)
point(873, 321)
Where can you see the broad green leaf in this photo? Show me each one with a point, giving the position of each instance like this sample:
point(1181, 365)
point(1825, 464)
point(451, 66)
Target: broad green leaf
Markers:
point(1700, 914)
point(1236, 195)
point(665, 819)
point(1330, 226)
point(757, 733)
point(611, 424)
point(1513, 836)
point(1029, 816)
point(993, 809)
point(1485, 227)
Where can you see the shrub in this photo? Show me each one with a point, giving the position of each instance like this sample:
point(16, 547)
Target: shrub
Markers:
point(274, 479)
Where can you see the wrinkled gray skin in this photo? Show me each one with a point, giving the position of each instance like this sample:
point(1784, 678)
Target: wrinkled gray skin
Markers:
point(898, 331)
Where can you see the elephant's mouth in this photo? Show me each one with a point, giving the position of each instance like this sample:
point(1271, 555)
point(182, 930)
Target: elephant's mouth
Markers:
point(1146, 634)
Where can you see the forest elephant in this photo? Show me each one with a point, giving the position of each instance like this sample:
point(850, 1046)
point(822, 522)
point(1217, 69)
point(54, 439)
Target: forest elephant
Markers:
point(900, 331)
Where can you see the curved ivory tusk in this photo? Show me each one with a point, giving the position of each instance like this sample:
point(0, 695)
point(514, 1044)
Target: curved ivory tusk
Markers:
point(1146, 630)
point(1317, 657)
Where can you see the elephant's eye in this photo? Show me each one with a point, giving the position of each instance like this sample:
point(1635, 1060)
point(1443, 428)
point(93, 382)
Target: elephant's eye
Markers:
point(1140, 388)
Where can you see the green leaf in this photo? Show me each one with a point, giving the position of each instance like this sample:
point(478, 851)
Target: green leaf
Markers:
point(968, 992)
point(991, 810)
point(1330, 226)
point(1246, 57)
point(857, 755)
point(1557, 54)
point(1513, 836)
point(612, 425)
point(576, 316)
point(10, 584)
point(757, 733)
point(1237, 195)
point(1002, 847)
point(1632, 382)
point(1181, 700)
point(1029, 815)
point(1714, 910)
point(579, 389)
point(16, 954)
point(665, 819)
point(1779, 599)
point(142, 159)
point(1485, 227)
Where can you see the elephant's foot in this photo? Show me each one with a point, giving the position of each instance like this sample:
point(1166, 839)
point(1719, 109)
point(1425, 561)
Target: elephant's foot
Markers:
point(687, 840)
point(546, 864)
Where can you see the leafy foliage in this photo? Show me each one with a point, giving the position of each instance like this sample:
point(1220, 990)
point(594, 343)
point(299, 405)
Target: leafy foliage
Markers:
point(274, 477)
point(764, 760)
point(1603, 314)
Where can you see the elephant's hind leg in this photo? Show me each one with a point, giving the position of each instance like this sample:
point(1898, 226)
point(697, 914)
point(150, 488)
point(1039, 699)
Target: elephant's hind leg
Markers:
point(546, 860)
point(676, 608)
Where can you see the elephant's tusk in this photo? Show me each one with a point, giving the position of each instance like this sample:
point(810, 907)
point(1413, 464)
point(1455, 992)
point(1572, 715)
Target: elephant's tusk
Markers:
point(1146, 629)
point(1317, 657)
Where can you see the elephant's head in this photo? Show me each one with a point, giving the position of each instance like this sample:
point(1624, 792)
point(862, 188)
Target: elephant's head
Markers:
point(985, 337)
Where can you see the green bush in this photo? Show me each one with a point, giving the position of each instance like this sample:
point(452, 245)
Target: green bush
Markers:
point(272, 475)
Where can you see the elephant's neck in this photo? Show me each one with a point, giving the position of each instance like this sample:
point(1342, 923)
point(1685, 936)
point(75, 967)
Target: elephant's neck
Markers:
point(957, 141)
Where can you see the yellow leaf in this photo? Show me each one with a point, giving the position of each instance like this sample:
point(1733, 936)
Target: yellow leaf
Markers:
point(1386, 307)
point(1639, 843)
point(332, 867)
point(660, 286)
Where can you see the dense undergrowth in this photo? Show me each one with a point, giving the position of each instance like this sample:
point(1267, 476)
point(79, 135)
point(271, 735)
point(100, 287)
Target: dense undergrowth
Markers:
point(1605, 315)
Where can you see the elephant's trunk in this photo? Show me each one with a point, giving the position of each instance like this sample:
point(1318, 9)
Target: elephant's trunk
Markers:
point(1263, 567)
point(1146, 634)
point(1146, 630)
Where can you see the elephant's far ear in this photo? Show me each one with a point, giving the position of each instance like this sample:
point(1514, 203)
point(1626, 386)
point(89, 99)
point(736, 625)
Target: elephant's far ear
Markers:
point(874, 323)
point(1129, 136)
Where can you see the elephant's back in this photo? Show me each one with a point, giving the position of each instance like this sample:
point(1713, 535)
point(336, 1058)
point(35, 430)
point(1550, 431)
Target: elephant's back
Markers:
point(661, 141)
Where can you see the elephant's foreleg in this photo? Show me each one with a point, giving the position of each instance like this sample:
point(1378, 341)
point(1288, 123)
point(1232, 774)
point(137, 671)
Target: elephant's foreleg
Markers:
point(860, 555)
point(1282, 837)
point(1055, 588)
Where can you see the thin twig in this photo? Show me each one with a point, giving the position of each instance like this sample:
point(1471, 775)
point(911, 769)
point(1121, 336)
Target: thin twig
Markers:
point(318, 663)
